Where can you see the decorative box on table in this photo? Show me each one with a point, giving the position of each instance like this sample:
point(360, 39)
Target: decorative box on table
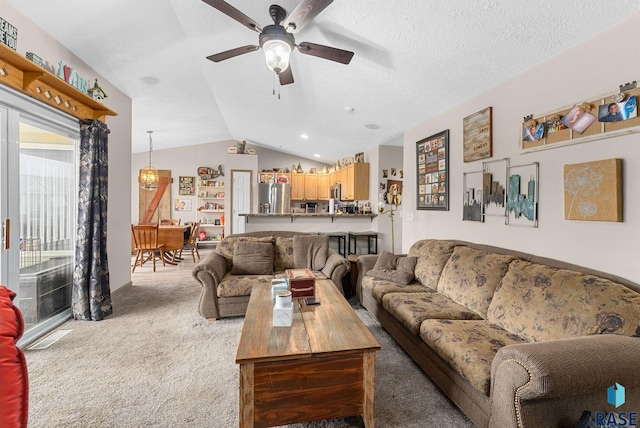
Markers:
point(302, 283)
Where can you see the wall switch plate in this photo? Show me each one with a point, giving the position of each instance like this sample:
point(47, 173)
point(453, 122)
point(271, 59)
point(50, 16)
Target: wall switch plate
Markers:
point(409, 216)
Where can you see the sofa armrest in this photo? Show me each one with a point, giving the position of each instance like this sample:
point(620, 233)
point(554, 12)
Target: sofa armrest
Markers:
point(557, 370)
point(209, 273)
point(336, 268)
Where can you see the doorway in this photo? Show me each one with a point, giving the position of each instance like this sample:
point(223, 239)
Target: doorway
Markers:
point(240, 198)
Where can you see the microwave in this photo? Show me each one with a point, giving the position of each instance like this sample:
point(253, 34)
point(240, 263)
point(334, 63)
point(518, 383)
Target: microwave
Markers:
point(336, 192)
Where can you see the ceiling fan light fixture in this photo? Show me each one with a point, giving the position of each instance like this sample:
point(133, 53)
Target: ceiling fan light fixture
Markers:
point(276, 54)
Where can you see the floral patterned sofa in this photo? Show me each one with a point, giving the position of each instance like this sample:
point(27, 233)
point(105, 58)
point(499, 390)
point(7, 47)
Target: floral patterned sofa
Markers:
point(244, 260)
point(514, 340)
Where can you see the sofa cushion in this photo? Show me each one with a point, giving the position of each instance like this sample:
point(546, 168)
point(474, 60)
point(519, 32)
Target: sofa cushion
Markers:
point(540, 303)
point(413, 308)
point(379, 287)
point(241, 285)
point(283, 258)
point(310, 251)
point(468, 346)
point(394, 268)
point(252, 258)
point(470, 277)
point(226, 247)
point(432, 255)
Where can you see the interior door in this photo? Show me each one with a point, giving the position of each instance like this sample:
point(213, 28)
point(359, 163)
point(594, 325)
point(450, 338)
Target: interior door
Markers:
point(240, 198)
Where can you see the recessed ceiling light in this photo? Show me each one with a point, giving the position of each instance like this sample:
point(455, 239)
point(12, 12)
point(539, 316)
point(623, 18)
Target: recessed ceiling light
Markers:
point(316, 155)
point(372, 126)
point(150, 80)
point(304, 136)
point(348, 109)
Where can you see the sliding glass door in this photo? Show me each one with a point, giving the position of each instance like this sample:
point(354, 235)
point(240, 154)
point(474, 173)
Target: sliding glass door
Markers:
point(39, 200)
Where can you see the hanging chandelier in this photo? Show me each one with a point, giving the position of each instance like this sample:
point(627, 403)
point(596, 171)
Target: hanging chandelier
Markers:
point(149, 176)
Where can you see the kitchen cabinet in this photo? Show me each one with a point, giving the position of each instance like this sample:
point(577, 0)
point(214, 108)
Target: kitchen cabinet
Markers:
point(355, 186)
point(297, 187)
point(311, 187)
point(323, 187)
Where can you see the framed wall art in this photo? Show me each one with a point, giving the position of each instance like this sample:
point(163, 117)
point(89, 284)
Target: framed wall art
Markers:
point(494, 186)
point(432, 162)
point(186, 185)
point(593, 191)
point(522, 195)
point(476, 131)
point(472, 206)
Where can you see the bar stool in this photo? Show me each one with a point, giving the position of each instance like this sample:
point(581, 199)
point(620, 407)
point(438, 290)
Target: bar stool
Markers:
point(342, 241)
point(372, 241)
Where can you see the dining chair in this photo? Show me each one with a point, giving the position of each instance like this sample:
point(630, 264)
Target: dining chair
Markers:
point(145, 239)
point(192, 242)
point(171, 221)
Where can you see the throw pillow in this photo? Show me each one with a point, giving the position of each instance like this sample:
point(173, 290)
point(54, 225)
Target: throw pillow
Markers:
point(310, 251)
point(252, 258)
point(394, 268)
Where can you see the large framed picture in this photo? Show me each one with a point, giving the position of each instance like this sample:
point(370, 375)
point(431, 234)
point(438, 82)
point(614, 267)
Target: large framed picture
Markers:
point(476, 130)
point(432, 162)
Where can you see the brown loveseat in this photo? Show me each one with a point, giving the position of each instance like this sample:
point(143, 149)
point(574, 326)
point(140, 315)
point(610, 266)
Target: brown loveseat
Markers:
point(514, 340)
point(244, 260)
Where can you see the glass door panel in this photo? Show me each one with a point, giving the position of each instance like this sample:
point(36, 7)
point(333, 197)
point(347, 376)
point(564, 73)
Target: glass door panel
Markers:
point(47, 220)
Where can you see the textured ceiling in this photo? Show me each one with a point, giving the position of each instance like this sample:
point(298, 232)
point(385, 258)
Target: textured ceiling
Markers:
point(413, 59)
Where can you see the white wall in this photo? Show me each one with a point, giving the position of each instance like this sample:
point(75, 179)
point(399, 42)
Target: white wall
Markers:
point(385, 158)
point(587, 71)
point(32, 39)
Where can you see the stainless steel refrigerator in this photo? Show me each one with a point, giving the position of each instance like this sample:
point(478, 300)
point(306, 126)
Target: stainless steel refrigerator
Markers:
point(274, 198)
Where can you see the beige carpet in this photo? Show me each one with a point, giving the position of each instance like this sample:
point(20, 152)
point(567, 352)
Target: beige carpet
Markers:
point(156, 363)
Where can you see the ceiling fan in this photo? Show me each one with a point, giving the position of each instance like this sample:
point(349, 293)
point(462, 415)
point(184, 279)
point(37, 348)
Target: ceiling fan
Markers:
point(277, 40)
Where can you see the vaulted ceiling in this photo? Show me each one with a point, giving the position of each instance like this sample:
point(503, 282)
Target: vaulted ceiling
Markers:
point(413, 59)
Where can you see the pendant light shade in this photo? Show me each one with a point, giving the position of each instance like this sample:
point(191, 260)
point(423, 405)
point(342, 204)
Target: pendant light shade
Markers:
point(277, 54)
point(149, 176)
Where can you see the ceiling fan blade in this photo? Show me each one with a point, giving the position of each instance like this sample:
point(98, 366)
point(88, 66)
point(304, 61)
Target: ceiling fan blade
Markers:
point(233, 52)
point(286, 77)
point(234, 13)
point(304, 13)
point(326, 52)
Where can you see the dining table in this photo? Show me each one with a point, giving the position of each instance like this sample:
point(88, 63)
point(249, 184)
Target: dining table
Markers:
point(173, 238)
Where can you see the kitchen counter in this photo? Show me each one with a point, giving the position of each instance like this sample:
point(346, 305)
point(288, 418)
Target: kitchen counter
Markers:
point(308, 216)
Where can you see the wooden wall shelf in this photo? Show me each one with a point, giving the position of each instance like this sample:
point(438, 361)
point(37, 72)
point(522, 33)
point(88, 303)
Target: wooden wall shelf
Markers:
point(25, 76)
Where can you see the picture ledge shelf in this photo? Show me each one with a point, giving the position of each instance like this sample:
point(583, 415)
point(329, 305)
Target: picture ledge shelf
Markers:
point(580, 140)
point(27, 77)
point(596, 131)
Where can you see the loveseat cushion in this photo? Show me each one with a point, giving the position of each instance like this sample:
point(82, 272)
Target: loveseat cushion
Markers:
point(379, 287)
point(240, 285)
point(310, 251)
point(252, 258)
point(283, 257)
point(413, 308)
point(470, 277)
point(394, 268)
point(468, 346)
point(538, 303)
point(432, 255)
point(226, 247)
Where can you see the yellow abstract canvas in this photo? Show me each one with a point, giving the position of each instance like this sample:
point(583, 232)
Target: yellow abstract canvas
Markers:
point(593, 191)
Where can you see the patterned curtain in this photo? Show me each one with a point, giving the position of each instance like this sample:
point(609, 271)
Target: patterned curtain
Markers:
point(91, 298)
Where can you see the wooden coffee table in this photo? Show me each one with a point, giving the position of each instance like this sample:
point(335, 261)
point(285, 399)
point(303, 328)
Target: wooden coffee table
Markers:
point(321, 367)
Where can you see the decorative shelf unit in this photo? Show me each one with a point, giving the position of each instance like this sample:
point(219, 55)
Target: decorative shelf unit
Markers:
point(211, 202)
point(25, 76)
